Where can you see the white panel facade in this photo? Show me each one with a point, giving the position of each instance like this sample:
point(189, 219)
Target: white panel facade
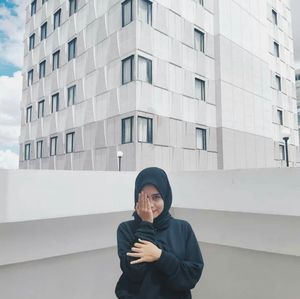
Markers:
point(175, 84)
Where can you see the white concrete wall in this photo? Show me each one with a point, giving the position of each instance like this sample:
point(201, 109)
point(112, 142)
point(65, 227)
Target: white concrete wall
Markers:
point(58, 231)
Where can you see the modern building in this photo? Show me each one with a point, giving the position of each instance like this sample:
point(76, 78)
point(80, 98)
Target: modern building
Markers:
point(180, 84)
point(297, 78)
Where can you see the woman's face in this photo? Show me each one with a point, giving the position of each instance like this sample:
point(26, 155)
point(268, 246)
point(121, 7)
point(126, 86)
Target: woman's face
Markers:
point(156, 201)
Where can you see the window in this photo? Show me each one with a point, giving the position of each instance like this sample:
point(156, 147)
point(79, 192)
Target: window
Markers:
point(145, 11)
point(199, 40)
point(274, 17)
point(297, 77)
point(72, 49)
point(201, 2)
point(278, 82)
point(201, 139)
point(44, 31)
point(200, 89)
point(145, 129)
point(44, 1)
point(31, 41)
point(53, 146)
point(72, 7)
point(281, 152)
point(55, 103)
point(71, 95)
point(30, 78)
point(276, 49)
point(28, 114)
point(42, 71)
point(127, 69)
point(56, 19)
point(41, 108)
point(70, 142)
point(279, 117)
point(27, 152)
point(126, 12)
point(145, 70)
point(33, 7)
point(55, 60)
point(127, 124)
point(39, 149)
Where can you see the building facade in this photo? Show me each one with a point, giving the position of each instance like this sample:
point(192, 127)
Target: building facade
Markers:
point(180, 84)
point(297, 79)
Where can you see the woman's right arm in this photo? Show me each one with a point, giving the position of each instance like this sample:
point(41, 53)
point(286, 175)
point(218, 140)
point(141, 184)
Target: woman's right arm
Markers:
point(134, 272)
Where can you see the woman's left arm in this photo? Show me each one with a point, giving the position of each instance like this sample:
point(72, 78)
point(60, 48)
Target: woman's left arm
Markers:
point(184, 274)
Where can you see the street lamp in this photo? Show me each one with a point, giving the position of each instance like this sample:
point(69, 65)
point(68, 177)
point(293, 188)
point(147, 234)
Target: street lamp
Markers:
point(286, 137)
point(120, 155)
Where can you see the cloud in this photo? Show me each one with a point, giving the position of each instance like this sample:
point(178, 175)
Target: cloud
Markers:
point(12, 23)
point(10, 98)
point(9, 160)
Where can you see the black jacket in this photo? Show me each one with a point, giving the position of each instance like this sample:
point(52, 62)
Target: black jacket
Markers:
point(173, 275)
point(180, 265)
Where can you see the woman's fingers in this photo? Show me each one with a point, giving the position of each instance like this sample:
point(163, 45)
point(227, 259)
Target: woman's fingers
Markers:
point(136, 249)
point(144, 241)
point(134, 254)
point(137, 261)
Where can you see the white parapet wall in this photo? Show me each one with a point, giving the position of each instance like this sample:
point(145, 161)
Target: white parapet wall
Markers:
point(58, 231)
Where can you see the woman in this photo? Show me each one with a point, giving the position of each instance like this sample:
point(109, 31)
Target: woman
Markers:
point(159, 255)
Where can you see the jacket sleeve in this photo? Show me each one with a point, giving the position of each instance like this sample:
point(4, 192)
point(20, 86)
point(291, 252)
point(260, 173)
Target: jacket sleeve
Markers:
point(182, 275)
point(134, 272)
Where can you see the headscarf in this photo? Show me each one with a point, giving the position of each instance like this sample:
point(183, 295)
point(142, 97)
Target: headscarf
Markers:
point(157, 177)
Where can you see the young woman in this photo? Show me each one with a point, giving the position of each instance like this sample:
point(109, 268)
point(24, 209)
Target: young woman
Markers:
point(159, 255)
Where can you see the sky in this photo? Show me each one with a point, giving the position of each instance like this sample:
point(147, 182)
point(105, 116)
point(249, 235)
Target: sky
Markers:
point(12, 20)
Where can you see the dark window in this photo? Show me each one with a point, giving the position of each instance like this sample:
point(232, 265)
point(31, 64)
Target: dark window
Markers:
point(276, 49)
point(33, 7)
point(72, 49)
point(41, 108)
point(280, 117)
point(200, 89)
point(56, 19)
point(281, 152)
point(201, 2)
point(72, 7)
point(39, 149)
point(127, 70)
point(274, 17)
point(201, 138)
point(42, 69)
point(55, 103)
point(27, 152)
point(126, 12)
point(199, 40)
point(145, 11)
point(44, 1)
point(70, 142)
point(28, 114)
point(30, 78)
point(144, 129)
point(145, 70)
point(127, 125)
point(55, 60)
point(71, 95)
point(44, 31)
point(53, 146)
point(31, 41)
point(278, 82)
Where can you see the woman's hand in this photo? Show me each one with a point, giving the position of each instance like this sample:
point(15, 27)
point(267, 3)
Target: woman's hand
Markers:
point(143, 207)
point(146, 251)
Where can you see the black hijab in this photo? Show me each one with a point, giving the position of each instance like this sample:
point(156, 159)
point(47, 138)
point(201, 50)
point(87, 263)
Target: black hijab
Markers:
point(157, 177)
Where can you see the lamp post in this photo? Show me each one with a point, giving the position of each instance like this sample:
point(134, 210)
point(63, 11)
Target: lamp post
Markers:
point(286, 138)
point(119, 155)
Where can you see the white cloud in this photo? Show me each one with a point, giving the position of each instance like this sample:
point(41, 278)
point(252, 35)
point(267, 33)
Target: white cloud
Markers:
point(12, 23)
point(9, 160)
point(10, 98)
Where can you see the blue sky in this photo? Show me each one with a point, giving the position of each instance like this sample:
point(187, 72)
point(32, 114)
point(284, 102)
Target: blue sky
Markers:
point(12, 24)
